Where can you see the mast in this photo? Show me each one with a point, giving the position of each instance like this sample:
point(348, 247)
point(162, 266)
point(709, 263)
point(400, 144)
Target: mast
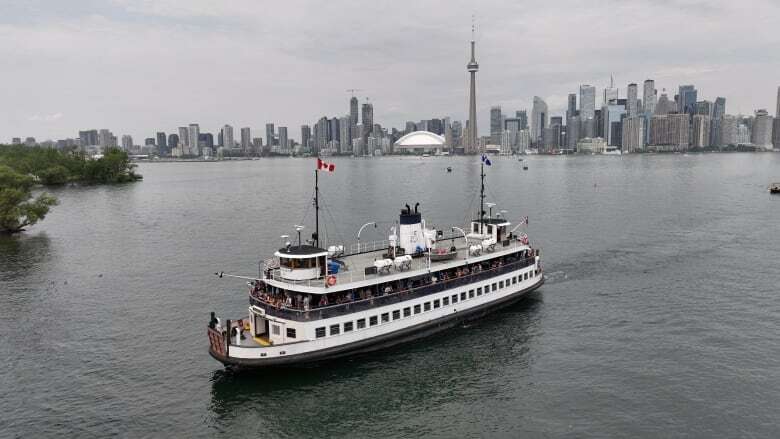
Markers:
point(316, 209)
point(482, 198)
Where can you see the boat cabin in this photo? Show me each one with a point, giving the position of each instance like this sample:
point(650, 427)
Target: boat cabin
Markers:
point(492, 229)
point(302, 262)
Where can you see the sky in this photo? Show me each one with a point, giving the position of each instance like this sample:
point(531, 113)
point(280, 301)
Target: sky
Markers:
point(141, 66)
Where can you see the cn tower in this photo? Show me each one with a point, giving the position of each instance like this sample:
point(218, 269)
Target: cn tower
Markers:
point(472, 67)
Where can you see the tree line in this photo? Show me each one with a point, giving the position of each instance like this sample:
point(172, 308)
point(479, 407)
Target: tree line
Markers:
point(23, 168)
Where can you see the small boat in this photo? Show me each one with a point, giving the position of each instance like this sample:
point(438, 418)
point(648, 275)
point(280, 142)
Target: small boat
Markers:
point(449, 168)
point(525, 167)
point(774, 188)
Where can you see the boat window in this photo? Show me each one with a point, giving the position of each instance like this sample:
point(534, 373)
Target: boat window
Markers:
point(407, 311)
point(275, 330)
point(290, 332)
point(454, 298)
point(490, 229)
point(471, 292)
point(385, 317)
point(501, 284)
point(417, 309)
point(525, 276)
point(445, 301)
point(361, 323)
point(427, 306)
point(320, 332)
point(476, 227)
point(436, 303)
point(334, 329)
point(396, 314)
point(372, 321)
point(463, 295)
point(347, 326)
point(514, 280)
point(494, 287)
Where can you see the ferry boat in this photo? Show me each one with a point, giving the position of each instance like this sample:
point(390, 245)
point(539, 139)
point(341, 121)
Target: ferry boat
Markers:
point(313, 302)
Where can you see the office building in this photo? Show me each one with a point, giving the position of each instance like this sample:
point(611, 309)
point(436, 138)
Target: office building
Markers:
point(193, 134)
point(522, 115)
point(284, 144)
point(353, 110)
point(587, 101)
point(686, 102)
point(701, 131)
point(246, 138)
point(776, 133)
point(345, 135)
point(173, 141)
point(762, 129)
point(306, 135)
point(571, 106)
point(632, 105)
point(162, 143)
point(610, 93)
point(127, 142)
point(539, 116)
point(649, 97)
point(633, 132)
point(269, 135)
point(495, 125)
point(184, 140)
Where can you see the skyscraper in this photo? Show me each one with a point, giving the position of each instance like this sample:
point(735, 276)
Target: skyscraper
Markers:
point(631, 100)
point(269, 135)
point(701, 131)
point(305, 137)
point(284, 148)
point(184, 140)
point(353, 110)
point(762, 129)
point(345, 134)
point(193, 134)
point(538, 118)
point(571, 107)
point(173, 141)
point(719, 108)
point(162, 143)
point(127, 142)
point(777, 112)
point(522, 115)
point(649, 97)
point(610, 93)
point(367, 120)
point(687, 99)
point(587, 101)
point(633, 134)
point(776, 133)
point(495, 125)
point(472, 67)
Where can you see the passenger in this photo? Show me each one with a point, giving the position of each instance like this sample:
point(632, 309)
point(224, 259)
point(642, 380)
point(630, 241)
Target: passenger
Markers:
point(388, 289)
point(306, 303)
point(213, 322)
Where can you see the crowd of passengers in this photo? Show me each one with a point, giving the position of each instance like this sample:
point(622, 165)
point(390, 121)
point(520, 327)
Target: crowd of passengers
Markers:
point(280, 298)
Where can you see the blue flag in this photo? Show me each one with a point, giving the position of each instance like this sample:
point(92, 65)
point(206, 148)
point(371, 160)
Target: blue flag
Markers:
point(485, 159)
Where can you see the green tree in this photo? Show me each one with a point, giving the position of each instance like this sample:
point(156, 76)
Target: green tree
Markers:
point(18, 209)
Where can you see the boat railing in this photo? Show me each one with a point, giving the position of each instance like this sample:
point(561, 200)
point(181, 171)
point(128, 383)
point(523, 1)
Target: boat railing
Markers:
point(349, 274)
point(365, 247)
point(386, 299)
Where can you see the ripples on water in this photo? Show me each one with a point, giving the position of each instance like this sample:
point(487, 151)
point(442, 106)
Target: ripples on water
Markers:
point(659, 317)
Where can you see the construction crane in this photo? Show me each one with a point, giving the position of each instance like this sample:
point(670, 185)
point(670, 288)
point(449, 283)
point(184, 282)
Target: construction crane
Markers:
point(353, 90)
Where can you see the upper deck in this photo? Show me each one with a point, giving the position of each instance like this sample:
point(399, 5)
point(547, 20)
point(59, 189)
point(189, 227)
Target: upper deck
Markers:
point(361, 267)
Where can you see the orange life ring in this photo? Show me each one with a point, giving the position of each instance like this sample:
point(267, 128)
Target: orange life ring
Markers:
point(331, 280)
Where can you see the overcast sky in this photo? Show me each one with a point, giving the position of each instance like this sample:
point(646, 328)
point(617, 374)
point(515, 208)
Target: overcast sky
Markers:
point(139, 66)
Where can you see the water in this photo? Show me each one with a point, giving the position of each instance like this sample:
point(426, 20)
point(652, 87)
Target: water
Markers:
point(659, 317)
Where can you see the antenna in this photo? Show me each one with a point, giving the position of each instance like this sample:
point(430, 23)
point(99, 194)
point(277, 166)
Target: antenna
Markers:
point(473, 26)
point(298, 229)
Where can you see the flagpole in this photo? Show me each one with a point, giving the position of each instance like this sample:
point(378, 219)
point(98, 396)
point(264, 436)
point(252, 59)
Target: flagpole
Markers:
point(316, 206)
point(482, 197)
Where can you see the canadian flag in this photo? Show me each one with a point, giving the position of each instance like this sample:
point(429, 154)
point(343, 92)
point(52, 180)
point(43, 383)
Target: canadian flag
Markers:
point(330, 167)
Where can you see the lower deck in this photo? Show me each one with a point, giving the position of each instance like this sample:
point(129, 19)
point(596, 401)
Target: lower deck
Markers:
point(321, 335)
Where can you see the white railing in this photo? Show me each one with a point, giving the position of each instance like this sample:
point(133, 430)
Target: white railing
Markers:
point(364, 247)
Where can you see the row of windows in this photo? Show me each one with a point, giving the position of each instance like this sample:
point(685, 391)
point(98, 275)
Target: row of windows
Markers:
point(336, 329)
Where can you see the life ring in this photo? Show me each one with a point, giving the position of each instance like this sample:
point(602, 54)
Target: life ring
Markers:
point(331, 280)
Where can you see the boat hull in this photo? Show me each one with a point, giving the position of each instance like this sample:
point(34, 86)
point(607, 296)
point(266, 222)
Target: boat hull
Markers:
point(379, 342)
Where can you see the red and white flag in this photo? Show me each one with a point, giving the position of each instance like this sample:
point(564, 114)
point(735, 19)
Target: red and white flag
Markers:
point(330, 167)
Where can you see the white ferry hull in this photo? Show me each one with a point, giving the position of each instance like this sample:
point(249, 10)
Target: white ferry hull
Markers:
point(383, 341)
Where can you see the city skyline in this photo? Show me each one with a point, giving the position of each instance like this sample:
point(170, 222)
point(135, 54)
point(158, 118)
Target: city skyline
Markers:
point(140, 88)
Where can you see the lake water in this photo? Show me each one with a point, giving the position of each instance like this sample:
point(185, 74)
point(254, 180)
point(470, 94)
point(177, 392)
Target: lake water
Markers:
point(659, 317)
